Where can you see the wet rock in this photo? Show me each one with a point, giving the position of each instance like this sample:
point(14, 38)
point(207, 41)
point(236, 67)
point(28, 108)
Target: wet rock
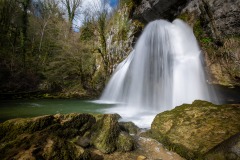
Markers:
point(216, 25)
point(150, 10)
point(11, 128)
point(227, 150)
point(221, 16)
point(129, 127)
point(107, 137)
point(194, 129)
point(64, 137)
point(82, 141)
point(124, 142)
point(106, 132)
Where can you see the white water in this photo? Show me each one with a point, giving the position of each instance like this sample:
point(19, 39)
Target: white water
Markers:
point(163, 71)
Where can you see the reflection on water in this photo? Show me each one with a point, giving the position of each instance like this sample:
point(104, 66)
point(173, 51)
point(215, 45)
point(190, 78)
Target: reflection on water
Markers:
point(29, 108)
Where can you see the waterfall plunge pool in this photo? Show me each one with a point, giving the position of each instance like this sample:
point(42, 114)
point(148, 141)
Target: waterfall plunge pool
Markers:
point(23, 108)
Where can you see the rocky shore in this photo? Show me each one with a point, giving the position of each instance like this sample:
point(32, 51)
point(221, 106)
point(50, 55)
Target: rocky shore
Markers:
point(200, 130)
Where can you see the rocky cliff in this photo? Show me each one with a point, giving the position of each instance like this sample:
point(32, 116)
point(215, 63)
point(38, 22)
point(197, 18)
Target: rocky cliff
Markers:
point(150, 10)
point(216, 24)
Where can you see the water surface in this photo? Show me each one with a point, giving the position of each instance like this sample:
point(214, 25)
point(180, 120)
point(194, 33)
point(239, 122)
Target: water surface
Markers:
point(30, 108)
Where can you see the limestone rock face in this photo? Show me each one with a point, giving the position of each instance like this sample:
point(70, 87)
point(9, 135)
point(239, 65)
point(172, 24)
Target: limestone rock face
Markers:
point(224, 15)
point(192, 130)
point(70, 136)
point(150, 10)
point(221, 16)
point(216, 25)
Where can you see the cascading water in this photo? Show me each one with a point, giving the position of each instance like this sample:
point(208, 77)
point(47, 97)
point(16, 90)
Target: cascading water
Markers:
point(163, 71)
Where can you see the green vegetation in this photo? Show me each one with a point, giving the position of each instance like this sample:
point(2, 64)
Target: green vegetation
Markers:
point(40, 51)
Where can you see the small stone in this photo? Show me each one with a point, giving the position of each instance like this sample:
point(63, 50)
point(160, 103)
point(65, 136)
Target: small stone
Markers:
point(141, 157)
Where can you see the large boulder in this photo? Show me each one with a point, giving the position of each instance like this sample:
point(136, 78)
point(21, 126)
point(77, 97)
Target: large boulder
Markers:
point(129, 127)
point(228, 149)
point(192, 130)
point(108, 137)
point(70, 136)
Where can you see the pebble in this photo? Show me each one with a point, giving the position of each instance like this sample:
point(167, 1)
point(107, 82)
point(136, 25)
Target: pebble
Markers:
point(141, 157)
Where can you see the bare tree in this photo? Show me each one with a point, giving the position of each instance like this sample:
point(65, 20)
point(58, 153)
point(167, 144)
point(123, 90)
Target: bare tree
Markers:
point(72, 7)
point(49, 8)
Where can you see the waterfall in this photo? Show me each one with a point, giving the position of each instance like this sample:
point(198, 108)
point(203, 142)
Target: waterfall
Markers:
point(163, 71)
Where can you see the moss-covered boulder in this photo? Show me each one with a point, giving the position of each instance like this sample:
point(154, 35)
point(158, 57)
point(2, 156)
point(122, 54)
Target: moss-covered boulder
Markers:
point(194, 129)
point(70, 136)
point(106, 132)
point(124, 142)
point(108, 136)
point(227, 150)
point(12, 128)
point(129, 127)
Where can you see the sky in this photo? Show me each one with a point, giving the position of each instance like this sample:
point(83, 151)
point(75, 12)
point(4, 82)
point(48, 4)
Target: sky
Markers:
point(89, 4)
point(113, 3)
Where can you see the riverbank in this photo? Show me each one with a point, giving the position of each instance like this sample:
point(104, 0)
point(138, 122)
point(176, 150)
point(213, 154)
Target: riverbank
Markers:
point(77, 136)
point(102, 136)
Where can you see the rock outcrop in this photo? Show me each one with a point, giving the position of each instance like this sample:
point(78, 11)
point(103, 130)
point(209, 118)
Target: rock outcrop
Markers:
point(192, 130)
point(150, 10)
point(77, 136)
point(71, 136)
point(221, 16)
point(216, 25)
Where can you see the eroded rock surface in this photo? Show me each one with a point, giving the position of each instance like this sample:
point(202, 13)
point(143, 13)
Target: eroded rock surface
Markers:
point(71, 136)
point(150, 10)
point(216, 25)
point(192, 130)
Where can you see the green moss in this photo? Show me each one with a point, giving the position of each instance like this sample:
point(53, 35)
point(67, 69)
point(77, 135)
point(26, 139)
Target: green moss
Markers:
point(60, 149)
point(197, 29)
point(176, 147)
point(125, 142)
point(62, 136)
point(106, 132)
point(129, 127)
point(40, 123)
point(184, 16)
point(12, 128)
point(86, 155)
point(206, 40)
point(182, 129)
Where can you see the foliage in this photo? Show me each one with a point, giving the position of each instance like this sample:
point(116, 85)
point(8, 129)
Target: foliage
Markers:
point(38, 51)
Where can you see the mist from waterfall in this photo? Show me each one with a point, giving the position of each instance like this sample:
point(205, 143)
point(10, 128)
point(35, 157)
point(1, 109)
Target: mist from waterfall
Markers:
point(163, 71)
